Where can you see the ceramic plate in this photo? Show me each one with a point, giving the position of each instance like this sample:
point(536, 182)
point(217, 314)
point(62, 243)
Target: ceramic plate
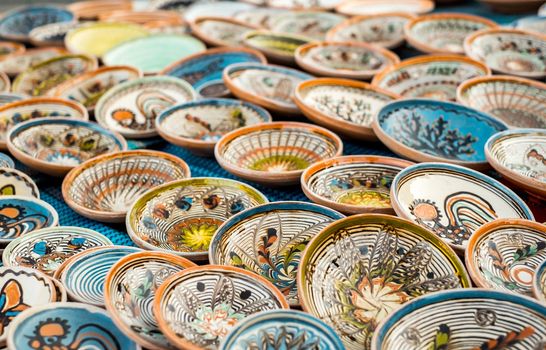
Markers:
point(10, 48)
point(539, 283)
point(91, 9)
point(283, 329)
point(347, 107)
point(56, 145)
point(62, 296)
point(219, 31)
point(65, 326)
point(9, 97)
point(373, 7)
point(360, 269)
point(434, 76)
point(16, 182)
point(216, 9)
point(518, 155)
point(6, 162)
point(130, 290)
point(204, 71)
point(259, 16)
point(453, 201)
point(17, 63)
point(104, 188)
point(428, 130)
point(277, 47)
point(269, 86)
point(41, 78)
point(198, 125)
point(48, 248)
point(196, 308)
point(269, 240)
point(309, 24)
point(303, 4)
point(275, 153)
point(141, 16)
point(51, 34)
point(130, 108)
point(182, 216)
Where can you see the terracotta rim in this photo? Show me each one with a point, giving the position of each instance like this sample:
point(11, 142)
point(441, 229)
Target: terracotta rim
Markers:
point(422, 6)
point(271, 4)
point(5, 79)
point(91, 9)
point(284, 58)
point(140, 16)
point(195, 27)
point(17, 48)
point(57, 274)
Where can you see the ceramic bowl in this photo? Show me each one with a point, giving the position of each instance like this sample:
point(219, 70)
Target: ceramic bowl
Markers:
point(130, 108)
point(275, 153)
point(539, 283)
point(12, 114)
point(105, 187)
point(17, 63)
point(62, 296)
point(84, 274)
point(374, 7)
point(56, 145)
point(167, 27)
point(41, 78)
point(10, 47)
point(513, 7)
point(15, 182)
point(9, 97)
point(19, 22)
point(484, 319)
point(504, 254)
point(51, 34)
point(96, 38)
point(269, 240)
point(88, 88)
point(219, 31)
point(531, 23)
point(308, 24)
point(517, 101)
point(269, 86)
point(518, 155)
point(91, 9)
point(130, 290)
point(6, 162)
point(182, 216)
point(344, 59)
point(259, 16)
point(434, 76)
point(353, 184)
point(428, 130)
point(66, 325)
point(300, 5)
point(204, 70)
point(198, 125)
point(283, 328)
point(46, 249)
point(509, 51)
point(453, 201)
point(196, 308)
point(360, 269)
point(214, 9)
point(277, 47)
point(141, 16)
point(347, 107)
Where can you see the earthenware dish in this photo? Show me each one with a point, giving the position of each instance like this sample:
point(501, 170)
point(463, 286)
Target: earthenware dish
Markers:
point(198, 125)
point(453, 201)
point(204, 70)
point(130, 289)
point(8, 97)
point(10, 47)
point(18, 62)
point(275, 153)
point(51, 34)
point(6, 162)
point(217, 9)
point(428, 130)
point(181, 217)
point(308, 24)
point(518, 155)
point(220, 31)
point(347, 107)
point(91, 9)
point(196, 308)
point(277, 47)
point(105, 187)
point(360, 269)
point(16, 182)
point(373, 7)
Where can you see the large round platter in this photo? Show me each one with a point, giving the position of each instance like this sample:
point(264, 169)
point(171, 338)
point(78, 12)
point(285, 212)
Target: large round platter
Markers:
point(453, 201)
point(182, 216)
point(360, 269)
point(105, 187)
point(17, 63)
point(220, 31)
point(428, 131)
point(373, 7)
point(16, 182)
point(130, 108)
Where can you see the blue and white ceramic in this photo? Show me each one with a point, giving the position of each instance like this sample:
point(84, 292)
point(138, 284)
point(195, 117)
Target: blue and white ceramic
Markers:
point(282, 329)
point(9, 97)
point(18, 23)
point(67, 326)
point(204, 71)
point(428, 130)
point(465, 319)
point(6, 161)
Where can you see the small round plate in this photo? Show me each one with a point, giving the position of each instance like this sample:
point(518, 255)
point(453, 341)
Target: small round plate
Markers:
point(277, 47)
point(453, 201)
point(6, 162)
point(182, 216)
point(214, 9)
point(10, 48)
point(220, 31)
point(130, 108)
point(308, 24)
point(429, 131)
point(14, 182)
point(17, 63)
point(374, 7)
point(51, 34)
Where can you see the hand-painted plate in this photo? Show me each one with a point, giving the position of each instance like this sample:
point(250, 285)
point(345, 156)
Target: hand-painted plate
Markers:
point(51, 34)
point(15, 182)
point(309, 24)
point(539, 283)
point(9, 97)
point(17, 63)
point(6, 162)
point(277, 47)
point(220, 31)
point(303, 4)
point(91, 9)
point(373, 7)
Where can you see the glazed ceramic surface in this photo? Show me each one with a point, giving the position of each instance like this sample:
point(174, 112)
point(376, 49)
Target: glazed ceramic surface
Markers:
point(65, 326)
point(48, 248)
point(130, 108)
point(509, 51)
point(360, 269)
point(6, 162)
point(303, 4)
point(504, 254)
point(51, 34)
point(182, 216)
point(269, 240)
point(435, 76)
point(373, 7)
point(41, 78)
point(278, 47)
point(219, 31)
point(452, 201)
point(282, 329)
point(16, 63)
point(105, 188)
point(91, 9)
point(9, 97)
point(516, 101)
point(217, 9)
point(485, 319)
point(428, 130)
point(141, 16)
point(204, 71)
point(197, 307)
point(539, 282)
point(130, 290)
point(310, 24)
point(198, 125)
point(62, 296)
point(16, 182)
point(259, 16)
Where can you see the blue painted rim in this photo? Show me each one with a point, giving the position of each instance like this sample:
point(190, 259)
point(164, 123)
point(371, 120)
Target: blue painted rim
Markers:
point(23, 10)
point(523, 132)
point(235, 67)
point(204, 55)
point(536, 278)
point(7, 159)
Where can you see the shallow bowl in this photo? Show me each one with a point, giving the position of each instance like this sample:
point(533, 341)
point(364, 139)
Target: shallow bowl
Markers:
point(300, 5)
point(309, 24)
point(373, 7)
point(220, 31)
point(277, 47)
point(17, 62)
point(226, 9)
point(539, 283)
point(51, 34)
point(15, 182)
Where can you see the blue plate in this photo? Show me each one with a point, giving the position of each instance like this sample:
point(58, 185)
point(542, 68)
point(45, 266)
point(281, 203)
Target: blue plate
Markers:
point(18, 23)
point(6, 161)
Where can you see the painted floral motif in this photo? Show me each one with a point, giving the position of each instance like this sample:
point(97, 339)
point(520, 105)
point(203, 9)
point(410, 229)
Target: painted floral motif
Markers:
point(215, 323)
point(7, 121)
point(89, 94)
point(283, 337)
point(352, 109)
point(362, 189)
point(15, 221)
